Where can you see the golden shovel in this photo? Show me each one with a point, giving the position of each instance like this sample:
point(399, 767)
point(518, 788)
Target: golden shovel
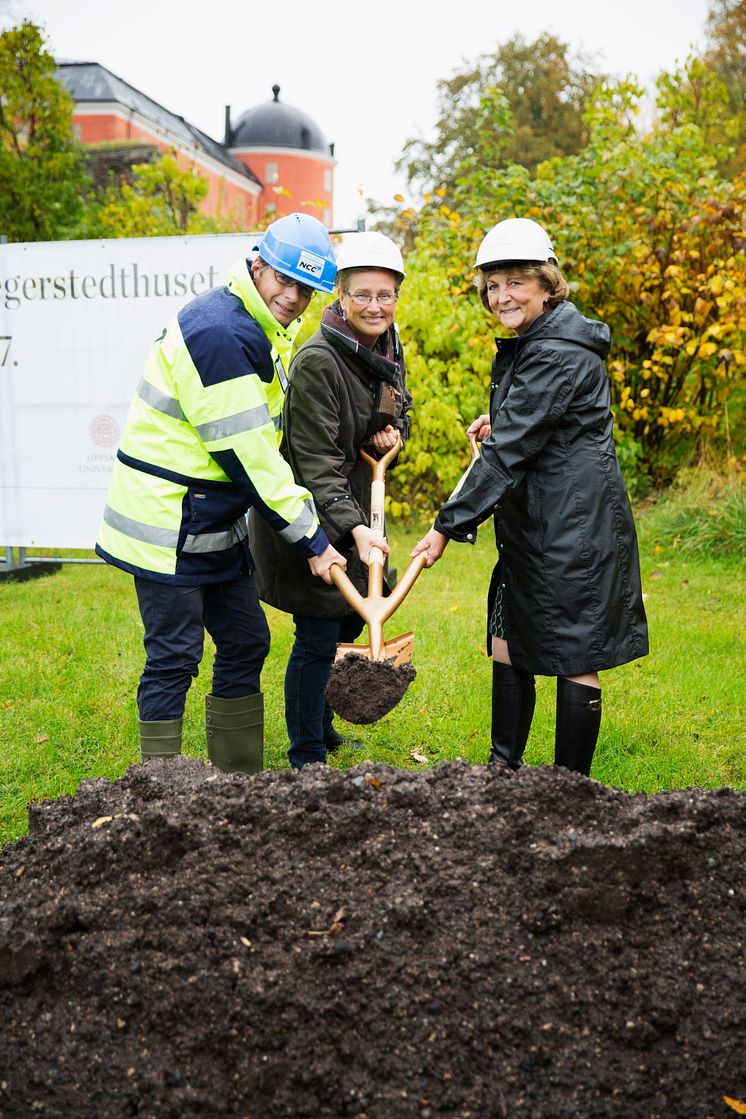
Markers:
point(375, 609)
point(367, 681)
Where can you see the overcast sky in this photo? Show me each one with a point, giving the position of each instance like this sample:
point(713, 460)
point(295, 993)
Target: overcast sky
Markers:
point(365, 72)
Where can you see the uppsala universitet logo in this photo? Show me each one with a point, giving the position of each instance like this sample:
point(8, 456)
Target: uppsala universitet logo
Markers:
point(104, 431)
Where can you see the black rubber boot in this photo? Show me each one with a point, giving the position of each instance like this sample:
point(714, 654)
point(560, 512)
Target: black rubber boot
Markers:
point(160, 738)
point(513, 701)
point(235, 733)
point(578, 722)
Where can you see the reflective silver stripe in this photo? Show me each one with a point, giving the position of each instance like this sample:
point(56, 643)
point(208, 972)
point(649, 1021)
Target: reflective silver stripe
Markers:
point(301, 525)
point(138, 530)
point(159, 400)
point(277, 421)
point(167, 538)
point(217, 541)
point(234, 425)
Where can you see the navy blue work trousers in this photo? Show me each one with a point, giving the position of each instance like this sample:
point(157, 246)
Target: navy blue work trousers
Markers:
point(175, 619)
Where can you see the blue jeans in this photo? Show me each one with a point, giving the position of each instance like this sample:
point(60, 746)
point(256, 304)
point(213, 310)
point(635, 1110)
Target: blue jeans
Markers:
point(307, 714)
point(175, 619)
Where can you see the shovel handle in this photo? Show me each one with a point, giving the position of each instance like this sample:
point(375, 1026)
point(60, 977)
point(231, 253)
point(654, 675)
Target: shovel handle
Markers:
point(375, 608)
point(465, 475)
point(375, 560)
point(378, 486)
point(377, 505)
point(348, 590)
point(405, 584)
point(378, 465)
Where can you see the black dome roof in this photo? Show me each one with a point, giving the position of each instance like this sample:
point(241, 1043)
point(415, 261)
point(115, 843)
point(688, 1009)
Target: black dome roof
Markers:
point(276, 125)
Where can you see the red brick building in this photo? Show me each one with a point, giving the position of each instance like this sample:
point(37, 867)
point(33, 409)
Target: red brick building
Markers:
point(288, 153)
point(274, 161)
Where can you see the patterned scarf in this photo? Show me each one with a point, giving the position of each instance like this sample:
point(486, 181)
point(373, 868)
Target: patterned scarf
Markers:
point(380, 361)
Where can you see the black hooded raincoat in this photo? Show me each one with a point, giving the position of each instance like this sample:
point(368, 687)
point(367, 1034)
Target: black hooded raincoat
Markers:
point(568, 561)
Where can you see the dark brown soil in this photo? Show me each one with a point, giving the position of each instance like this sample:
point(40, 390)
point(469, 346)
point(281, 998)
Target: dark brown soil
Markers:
point(363, 691)
point(461, 942)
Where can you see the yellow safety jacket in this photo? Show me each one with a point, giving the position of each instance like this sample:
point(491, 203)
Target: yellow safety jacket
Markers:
point(201, 445)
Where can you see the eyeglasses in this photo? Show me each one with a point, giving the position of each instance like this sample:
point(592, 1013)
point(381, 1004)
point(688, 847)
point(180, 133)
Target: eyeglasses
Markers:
point(363, 298)
point(303, 289)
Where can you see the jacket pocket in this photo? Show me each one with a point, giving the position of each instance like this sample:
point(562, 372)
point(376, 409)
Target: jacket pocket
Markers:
point(533, 495)
point(209, 517)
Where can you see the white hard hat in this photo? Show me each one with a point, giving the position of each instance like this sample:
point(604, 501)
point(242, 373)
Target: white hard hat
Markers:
point(515, 239)
point(370, 250)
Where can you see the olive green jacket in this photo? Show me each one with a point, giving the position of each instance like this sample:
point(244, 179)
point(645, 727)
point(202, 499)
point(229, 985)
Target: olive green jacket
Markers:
point(332, 408)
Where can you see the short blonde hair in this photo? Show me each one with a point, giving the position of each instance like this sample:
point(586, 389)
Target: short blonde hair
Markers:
point(548, 275)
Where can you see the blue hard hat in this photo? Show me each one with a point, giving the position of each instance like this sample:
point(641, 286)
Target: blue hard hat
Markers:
point(300, 247)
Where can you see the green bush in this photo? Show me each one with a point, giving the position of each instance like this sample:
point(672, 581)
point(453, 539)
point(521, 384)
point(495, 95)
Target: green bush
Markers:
point(702, 514)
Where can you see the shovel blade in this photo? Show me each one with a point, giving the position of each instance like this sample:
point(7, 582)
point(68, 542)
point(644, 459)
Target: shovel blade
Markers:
point(398, 650)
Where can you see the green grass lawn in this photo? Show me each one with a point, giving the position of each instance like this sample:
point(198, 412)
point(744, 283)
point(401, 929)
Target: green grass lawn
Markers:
point(71, 655)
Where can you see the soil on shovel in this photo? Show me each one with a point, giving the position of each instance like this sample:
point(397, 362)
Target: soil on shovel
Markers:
point(363, 691)
point(460, 942)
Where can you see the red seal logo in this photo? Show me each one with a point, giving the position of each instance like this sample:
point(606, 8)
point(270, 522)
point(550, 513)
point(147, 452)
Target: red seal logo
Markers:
point(104, 431)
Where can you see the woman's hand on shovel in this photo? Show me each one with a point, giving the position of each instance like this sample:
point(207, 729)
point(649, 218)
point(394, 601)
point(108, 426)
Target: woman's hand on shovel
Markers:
point(481, 428)
point(434, 543)
point(385, 439)
point(320, 565)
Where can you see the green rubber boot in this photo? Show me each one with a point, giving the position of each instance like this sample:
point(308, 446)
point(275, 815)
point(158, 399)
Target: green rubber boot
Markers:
point(160, 738)
point(235, 733)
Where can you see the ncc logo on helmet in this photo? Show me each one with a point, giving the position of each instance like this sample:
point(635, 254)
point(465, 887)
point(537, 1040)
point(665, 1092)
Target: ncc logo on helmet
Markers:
point(299, 246)
point(310, 264)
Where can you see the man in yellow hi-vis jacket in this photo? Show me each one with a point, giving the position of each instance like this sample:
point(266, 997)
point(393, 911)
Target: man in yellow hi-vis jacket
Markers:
point(200, 448)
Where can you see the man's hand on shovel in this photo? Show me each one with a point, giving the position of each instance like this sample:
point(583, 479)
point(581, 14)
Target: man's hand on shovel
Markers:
point(320, 565)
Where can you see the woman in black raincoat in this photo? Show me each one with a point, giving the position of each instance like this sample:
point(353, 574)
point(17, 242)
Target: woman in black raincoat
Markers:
point(565, 598)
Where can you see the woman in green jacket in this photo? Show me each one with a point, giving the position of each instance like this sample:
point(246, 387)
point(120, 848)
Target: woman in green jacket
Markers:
point(347, 390)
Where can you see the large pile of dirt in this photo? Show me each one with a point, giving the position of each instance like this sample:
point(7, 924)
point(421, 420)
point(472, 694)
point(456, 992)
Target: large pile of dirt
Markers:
point(462, 942)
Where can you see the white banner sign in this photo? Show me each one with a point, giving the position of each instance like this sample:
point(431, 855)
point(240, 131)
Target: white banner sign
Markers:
point(76, 322)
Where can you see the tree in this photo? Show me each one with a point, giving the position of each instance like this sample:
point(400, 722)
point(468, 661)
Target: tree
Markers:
point(650, 235)
point(546, 89)
point(43, 181)
point(162, 200)
point(726, 53)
